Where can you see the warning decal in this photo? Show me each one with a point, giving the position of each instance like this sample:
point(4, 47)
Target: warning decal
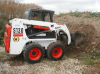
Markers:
point(16, 39)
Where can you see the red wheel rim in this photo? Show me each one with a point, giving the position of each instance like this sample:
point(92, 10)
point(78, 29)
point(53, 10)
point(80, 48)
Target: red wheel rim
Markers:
point(57, 52)
point(34, 54)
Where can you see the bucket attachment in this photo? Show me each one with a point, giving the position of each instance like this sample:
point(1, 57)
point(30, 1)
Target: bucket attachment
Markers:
point(76, 38)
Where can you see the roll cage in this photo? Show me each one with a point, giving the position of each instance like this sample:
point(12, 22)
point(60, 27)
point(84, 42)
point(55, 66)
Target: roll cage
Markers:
point(28, 14)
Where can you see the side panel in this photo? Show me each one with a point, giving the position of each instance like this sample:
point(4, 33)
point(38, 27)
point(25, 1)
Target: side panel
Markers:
point(18, 47)
point(45, 42)
point(19, 39)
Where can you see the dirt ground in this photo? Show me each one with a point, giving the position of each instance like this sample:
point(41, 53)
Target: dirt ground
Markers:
point(89, 27)
point(17, 65)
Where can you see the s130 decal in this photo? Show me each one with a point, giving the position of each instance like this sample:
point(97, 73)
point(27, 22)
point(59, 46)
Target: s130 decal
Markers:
point(17, 31)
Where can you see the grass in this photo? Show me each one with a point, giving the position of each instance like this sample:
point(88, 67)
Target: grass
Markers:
point(88, 16)
point(85, 72)
point(90, 59)
point(79, 14)
point(92, 14)
point(3, 53)
point(61, 14)
point(4, 72)
point(76, 13)
point(89, 62)
point(2, 29)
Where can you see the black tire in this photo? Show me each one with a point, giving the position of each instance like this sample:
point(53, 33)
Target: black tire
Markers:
point(64, 38)
point(54, 49)
point(33, 53)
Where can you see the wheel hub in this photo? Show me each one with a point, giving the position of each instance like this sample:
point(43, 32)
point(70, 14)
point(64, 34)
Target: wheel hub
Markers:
point(34, 53)
point(55, 51)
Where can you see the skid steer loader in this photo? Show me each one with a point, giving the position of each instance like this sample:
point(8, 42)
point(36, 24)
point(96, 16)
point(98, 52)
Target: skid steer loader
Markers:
point(36, 33)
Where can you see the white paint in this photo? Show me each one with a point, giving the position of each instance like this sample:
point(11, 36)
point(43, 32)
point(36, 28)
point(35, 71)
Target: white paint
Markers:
point(17, 47)
point(43, 34)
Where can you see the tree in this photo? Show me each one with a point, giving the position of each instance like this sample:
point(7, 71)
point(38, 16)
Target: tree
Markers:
point(10, 9)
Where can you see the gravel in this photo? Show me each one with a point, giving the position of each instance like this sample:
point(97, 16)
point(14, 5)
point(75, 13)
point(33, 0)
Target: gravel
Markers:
point(17, 65)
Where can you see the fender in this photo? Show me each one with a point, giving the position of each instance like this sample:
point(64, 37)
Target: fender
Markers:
point(65, 29)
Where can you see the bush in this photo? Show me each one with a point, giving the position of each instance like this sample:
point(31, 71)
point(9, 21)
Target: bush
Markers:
point(76, 13)
point(95, 54)
point(61, 14)
point(88, 16)
point(93, 14)
point(2, 29)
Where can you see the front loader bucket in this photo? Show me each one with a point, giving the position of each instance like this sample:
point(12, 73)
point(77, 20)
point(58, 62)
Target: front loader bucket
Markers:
point(77, 37)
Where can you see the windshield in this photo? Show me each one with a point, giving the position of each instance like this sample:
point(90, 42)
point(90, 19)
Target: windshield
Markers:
point(46, 16)
point(25, 16)
point(36, 16)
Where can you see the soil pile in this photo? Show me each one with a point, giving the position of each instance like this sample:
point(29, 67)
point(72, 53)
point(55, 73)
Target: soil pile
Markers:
point(90, 42)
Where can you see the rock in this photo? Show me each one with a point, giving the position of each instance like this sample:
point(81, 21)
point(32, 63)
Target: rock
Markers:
point(93, 43)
